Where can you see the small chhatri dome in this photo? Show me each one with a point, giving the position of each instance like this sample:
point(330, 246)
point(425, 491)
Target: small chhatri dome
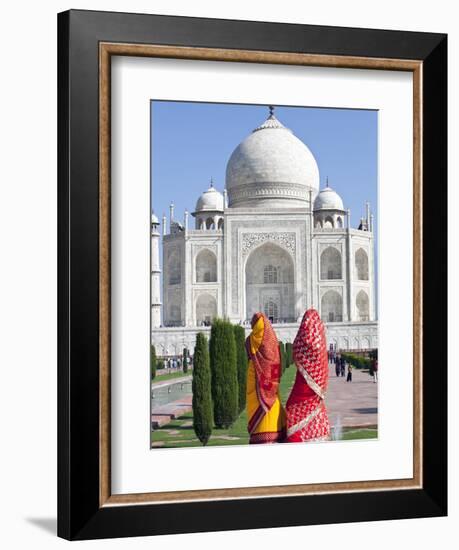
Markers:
point(328, 199)
point(210, 200)
point(271, 168)
point(154, 219)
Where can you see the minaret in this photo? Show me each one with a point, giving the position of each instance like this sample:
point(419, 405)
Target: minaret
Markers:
point(171, 216)
point(155, 274)
point(185, 221)
point(368, 216)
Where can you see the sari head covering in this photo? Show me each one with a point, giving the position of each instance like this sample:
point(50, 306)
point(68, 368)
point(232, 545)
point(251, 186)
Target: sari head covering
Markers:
point(307, 418)
point(266, 417)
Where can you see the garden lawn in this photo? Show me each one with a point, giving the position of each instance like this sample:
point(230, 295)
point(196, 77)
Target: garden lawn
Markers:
point(180, 433)
point(170, 376)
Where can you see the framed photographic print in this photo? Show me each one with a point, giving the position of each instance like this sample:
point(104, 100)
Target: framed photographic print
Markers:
point(252, 274)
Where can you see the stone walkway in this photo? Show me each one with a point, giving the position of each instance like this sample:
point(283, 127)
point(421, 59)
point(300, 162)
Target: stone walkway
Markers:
point(352, 404)
point(165, 413)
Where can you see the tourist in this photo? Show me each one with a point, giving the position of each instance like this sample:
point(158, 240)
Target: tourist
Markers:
point(349, 373)
point(343, 367)
point(338, 366)
point(307, 418)
point(266, 416)
point(374, 367)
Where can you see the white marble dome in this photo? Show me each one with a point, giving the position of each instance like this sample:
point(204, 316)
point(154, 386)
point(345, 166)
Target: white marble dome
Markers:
point(154, 219)
point(328, 199)
point(210, 200)
point(271, 168)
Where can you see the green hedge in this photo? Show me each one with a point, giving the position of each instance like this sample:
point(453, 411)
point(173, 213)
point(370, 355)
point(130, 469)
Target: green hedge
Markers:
point(357, 361)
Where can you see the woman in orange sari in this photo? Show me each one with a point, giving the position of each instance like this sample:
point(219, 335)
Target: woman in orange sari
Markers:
point(307, 418)
point(266, 416)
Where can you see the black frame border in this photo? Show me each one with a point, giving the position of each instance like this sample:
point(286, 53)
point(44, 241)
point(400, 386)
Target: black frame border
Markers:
point(79, 514)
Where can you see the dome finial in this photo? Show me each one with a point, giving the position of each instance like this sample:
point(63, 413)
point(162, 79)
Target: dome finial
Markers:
point(211, 181)
point(271, 110)
point(326, 182)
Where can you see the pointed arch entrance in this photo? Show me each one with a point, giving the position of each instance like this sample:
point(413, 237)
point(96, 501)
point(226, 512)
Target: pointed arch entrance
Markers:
point(269, 283)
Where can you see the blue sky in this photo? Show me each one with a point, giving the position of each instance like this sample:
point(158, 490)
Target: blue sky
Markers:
point(192, 142)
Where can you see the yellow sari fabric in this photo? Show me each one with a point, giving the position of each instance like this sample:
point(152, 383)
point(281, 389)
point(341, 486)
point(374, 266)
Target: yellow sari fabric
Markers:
point(274, 420)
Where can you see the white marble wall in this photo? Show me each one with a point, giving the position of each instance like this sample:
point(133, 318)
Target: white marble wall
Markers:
point(290, 233)
point(171, 341)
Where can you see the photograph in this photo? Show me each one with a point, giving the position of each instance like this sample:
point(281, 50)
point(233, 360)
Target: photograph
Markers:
point(264, 274)
point(252, 285)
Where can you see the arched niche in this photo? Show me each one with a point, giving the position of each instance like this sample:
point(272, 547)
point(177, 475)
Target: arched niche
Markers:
point(332, 307)
point(206, 267)
point(366, 343)
point(361, 264)
point(174, 268)
point(363, 306)
point(330, 264)
point(269, 283)
point(206, 309)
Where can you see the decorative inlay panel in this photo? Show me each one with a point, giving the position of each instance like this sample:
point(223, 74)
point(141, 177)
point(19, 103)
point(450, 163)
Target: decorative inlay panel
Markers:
point(251, 240)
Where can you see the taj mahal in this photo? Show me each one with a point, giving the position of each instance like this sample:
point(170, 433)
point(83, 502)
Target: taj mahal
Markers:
point(271, 241)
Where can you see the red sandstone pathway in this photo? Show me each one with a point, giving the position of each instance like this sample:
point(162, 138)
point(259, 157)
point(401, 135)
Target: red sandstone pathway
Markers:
point(352, 403)
point(165, 413)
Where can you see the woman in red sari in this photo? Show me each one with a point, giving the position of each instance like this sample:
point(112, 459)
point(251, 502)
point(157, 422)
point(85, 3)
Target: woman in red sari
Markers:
point(266, 416)
point(307, 418)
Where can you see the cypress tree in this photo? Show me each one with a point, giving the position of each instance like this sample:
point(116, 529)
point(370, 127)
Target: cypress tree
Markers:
point(289, 353)
point(242, 364)
point(185, 360)
point(201, 387)
point(283, 357)
point(224, 373)
point(153, 361)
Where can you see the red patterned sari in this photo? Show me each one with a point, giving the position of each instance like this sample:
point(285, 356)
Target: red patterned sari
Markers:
point(307, 418)
point(266, 416)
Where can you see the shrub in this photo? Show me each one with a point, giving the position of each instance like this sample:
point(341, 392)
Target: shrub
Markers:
point(357, 361)
point(223, 368)
point(201, 387)
point(153, 361)
point(242, 364)
point(185, 360)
